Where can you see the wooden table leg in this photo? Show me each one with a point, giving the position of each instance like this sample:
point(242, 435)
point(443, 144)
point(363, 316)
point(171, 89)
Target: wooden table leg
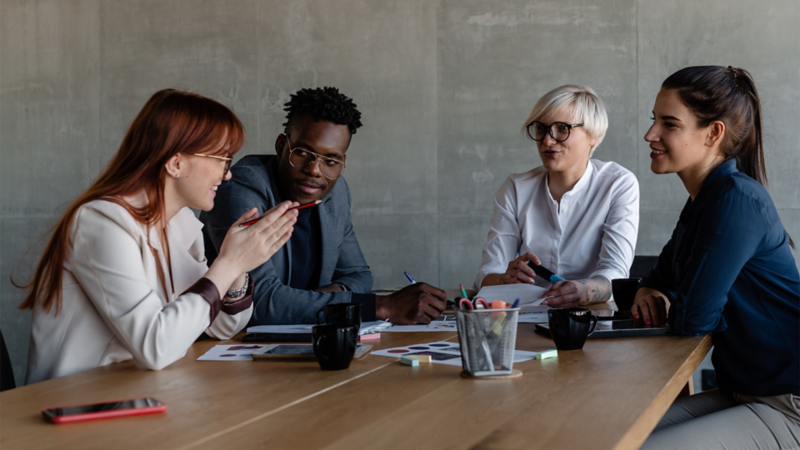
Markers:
point(688, 389)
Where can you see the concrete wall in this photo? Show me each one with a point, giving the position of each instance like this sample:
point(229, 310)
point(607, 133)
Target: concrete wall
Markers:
point(444, 87)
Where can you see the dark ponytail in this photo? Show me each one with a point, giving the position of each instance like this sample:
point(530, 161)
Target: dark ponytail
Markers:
point(727, 94)
point(730, 96)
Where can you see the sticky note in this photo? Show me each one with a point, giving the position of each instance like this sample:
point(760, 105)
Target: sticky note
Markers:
point(407, 360)
point(547, 354)
point(420, 358)
point(366, 337)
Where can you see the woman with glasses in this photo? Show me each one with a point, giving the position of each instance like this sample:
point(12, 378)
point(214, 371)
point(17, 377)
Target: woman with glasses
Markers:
point(576, 216)
point(124, 274)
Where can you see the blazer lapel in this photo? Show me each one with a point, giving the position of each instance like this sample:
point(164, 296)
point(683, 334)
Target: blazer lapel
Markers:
point(188, 264)
point(327, 216)
point(284, 254)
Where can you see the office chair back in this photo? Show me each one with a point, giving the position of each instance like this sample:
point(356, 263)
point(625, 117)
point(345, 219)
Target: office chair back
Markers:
point(6, 371)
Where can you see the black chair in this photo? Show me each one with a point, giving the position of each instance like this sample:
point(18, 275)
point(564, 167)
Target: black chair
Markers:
point(641, 265)
point(6, 371)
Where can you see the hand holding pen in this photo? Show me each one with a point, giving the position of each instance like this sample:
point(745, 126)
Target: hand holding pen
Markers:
point(519, 271)
point(295, 207)
point(416, 303)
point(246, 248)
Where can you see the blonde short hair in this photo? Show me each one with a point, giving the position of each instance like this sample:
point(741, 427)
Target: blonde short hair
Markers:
point(584, 105)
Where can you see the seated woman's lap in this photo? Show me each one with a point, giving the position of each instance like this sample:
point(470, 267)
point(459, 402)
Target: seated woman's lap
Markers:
point(716, 419)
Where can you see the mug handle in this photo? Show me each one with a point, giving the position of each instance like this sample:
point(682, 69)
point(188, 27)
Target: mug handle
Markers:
point(593, 319)
point(318, 344)
point(319, 321)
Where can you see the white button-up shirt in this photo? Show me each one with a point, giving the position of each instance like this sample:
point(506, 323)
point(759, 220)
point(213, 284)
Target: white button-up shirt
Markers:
point(593, 233)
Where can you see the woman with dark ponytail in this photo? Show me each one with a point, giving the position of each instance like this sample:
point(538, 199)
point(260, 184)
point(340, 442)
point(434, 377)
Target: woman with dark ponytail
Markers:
point(728, 269)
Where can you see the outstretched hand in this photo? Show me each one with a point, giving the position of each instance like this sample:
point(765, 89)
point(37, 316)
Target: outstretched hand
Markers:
point(249, 247)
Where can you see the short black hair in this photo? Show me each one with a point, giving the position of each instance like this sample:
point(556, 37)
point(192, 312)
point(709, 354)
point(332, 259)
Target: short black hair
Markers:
point(326, 104)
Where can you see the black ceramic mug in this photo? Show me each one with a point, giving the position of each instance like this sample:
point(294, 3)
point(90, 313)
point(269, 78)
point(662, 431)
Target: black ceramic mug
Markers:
point(570, 327)
point(344, 314)
point(624, 290)
point(334, 345)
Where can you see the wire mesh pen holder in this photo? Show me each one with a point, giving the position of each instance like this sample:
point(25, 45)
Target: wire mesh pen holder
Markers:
point(487, 338)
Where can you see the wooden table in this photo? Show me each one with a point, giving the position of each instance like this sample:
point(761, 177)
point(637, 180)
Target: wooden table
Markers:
point(608, 395)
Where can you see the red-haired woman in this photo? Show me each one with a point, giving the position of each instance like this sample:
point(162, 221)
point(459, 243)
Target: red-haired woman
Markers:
point(124, 274)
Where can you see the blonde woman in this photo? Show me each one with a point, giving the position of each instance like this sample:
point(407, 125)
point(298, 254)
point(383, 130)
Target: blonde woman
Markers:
point(574, 215)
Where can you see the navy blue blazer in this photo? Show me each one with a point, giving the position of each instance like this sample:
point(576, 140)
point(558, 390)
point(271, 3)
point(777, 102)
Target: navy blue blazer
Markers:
point(253, 184)
point(728, 270)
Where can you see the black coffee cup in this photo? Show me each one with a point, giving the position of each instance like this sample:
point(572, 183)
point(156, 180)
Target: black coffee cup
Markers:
point(334, 345)
point(569, 327)
point(344, 314)
point(624, 290)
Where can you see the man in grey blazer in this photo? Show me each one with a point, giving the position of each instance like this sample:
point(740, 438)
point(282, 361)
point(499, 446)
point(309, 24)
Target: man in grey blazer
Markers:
point(322, 263)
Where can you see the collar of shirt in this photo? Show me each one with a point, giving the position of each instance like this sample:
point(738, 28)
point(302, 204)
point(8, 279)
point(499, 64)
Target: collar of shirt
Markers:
point(723, 170)
point(583, 181)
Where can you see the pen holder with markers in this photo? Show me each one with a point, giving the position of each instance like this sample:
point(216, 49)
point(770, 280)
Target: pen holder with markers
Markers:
point(487, 338)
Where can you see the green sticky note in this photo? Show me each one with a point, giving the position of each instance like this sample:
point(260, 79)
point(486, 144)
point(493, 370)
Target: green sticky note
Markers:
point(547, 354)
point(409, 361)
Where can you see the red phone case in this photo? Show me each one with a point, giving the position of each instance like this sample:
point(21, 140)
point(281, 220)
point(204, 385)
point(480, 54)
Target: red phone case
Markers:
point(102, 414)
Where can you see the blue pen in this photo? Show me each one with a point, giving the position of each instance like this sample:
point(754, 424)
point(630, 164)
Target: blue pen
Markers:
point(409, 277)
point(516, 304)
point(542, 272)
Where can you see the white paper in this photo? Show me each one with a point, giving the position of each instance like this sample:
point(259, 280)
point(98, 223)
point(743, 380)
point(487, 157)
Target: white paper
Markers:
point(236, 352)
point(449, 353)
point(436, 325)
point(375, 326)
point(532, 317)
point(528, 294)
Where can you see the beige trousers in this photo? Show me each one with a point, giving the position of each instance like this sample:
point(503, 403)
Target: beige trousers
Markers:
point(720, 420)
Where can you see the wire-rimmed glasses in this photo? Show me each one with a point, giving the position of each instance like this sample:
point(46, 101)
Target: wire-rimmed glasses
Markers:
point(221, 158)
point(299, 157)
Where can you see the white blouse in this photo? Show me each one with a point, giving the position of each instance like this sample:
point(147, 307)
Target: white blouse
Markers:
point(593, 233)
point(113, 306)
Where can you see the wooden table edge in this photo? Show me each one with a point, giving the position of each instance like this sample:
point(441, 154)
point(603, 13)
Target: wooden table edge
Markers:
point(647, 421)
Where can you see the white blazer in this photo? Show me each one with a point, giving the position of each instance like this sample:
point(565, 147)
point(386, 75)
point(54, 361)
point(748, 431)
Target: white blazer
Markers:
point(113, 305)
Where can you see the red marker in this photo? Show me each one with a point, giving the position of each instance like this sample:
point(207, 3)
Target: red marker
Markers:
point(250, 222)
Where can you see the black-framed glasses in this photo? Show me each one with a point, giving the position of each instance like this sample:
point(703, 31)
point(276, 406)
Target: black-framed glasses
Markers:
point(221, 158)
point(559, 131)
point(299, 157)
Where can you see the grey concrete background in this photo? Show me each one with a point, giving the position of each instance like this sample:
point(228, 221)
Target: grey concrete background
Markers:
point(444, 87)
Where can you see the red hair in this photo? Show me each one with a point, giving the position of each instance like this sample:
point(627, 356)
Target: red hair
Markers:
point(171, 122)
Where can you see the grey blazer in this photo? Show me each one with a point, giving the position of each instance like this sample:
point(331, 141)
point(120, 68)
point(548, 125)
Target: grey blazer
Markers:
point(253, 184)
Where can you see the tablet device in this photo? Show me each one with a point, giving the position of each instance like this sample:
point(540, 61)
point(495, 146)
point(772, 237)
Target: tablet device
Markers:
point(277, 337)
point(302, 351)
point(616, 328)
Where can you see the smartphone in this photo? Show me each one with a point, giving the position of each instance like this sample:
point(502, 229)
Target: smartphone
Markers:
point(94, 411)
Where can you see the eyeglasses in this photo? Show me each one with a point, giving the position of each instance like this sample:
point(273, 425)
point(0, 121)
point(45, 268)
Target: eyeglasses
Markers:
point(221, 158)
point(559, 131)
point(331, 168)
